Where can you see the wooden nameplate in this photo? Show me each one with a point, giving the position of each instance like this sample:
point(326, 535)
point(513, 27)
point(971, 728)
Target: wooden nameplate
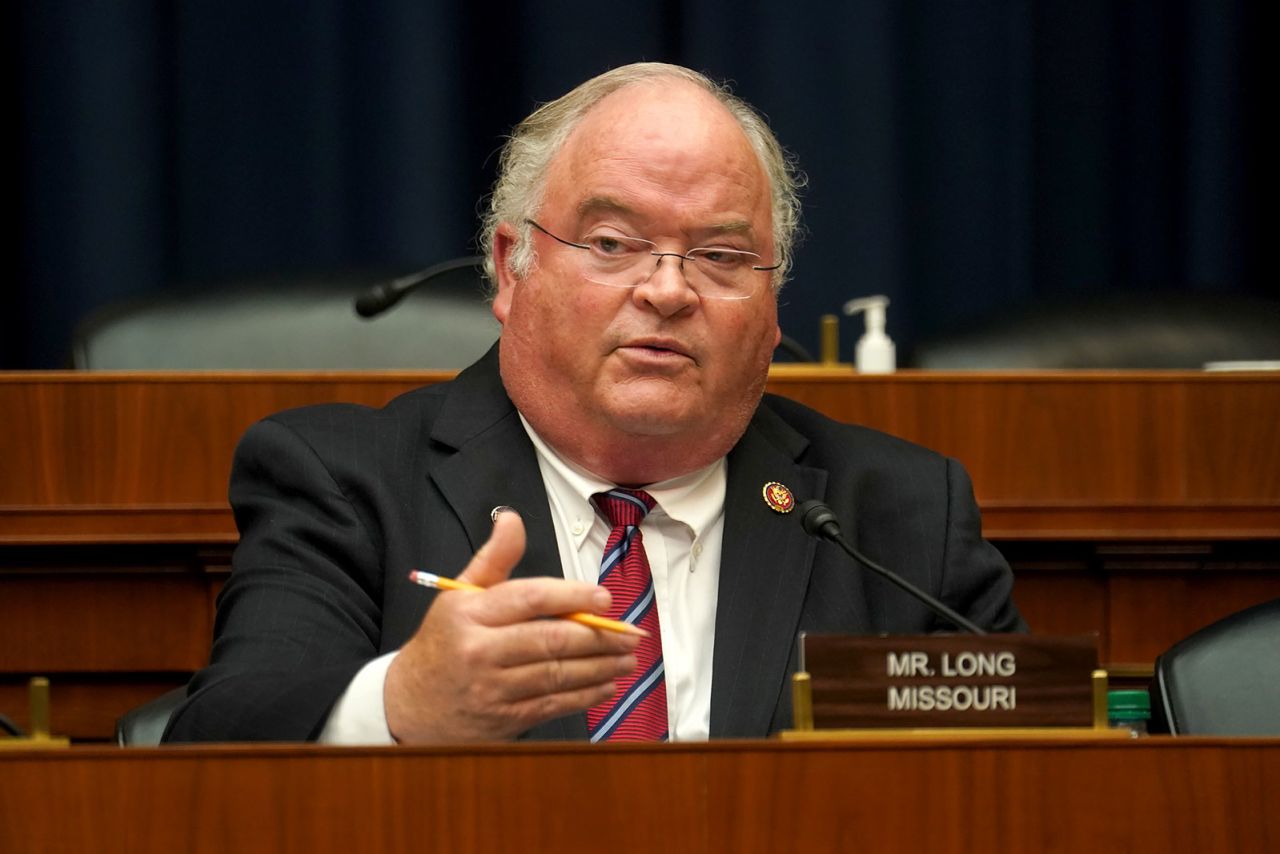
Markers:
point(978, 685)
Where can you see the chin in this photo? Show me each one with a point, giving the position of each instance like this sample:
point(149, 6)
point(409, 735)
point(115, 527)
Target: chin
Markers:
point(655, 420)
point(651, 426)
point(655, 402)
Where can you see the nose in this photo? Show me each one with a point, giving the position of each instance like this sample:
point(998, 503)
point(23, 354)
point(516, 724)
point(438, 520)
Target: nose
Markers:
point(667, 289)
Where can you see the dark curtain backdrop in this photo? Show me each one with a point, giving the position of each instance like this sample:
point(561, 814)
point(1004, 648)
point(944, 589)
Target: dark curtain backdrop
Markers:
point(963, 157)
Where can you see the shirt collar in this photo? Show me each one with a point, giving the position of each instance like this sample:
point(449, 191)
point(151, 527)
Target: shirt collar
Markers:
point(695, 500)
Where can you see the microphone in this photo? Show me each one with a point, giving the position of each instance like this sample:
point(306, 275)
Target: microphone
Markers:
point(819, 521)
point(384, 295)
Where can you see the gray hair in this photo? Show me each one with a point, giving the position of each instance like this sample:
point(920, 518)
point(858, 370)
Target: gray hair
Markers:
point(534, 143)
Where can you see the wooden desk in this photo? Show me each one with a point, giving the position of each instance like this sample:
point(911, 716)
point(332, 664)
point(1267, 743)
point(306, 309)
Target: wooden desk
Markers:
point(1165, 795)
point(1138, 505)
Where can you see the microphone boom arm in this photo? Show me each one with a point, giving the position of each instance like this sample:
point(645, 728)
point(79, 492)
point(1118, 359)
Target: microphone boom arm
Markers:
point(384, 295)
point(819, 521)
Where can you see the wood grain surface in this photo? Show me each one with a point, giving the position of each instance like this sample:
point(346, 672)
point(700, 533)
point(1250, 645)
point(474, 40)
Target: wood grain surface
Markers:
point(120, 457)
point(1165, 795)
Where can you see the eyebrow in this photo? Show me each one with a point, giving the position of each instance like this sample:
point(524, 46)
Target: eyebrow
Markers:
point(607, 204)
point(736, 226)
point(602, 204)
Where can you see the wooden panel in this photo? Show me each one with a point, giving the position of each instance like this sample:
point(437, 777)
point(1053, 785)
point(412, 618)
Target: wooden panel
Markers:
point(146, 456)
point(104, 610)
point(151, 621)
point(1152, 611)
point(1165, 795)
point(105, 439)
point(110, 626)
point(85, 707)
point(1096, 454)
point(1056, 602)
point(1141, 598)
point(1025, 520)
point(119, 523)
point(1235, 429)
point(999, 799)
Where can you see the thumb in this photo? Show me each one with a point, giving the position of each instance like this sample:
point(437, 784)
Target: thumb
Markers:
point(493, 562)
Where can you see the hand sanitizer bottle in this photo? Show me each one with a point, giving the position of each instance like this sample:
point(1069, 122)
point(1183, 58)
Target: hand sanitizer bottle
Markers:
point(875, 353)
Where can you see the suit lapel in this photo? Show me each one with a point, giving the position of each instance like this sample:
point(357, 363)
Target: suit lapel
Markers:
point(493, 464)
point(765, 563)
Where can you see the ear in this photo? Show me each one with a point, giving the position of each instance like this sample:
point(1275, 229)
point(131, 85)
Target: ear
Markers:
point(505, 240)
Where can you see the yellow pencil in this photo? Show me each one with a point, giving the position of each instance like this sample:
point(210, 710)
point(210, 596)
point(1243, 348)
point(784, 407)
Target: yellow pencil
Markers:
point(440, 582)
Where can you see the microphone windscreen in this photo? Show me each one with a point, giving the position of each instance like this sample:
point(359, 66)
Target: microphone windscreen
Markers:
point(374, 301)
point(816, 517)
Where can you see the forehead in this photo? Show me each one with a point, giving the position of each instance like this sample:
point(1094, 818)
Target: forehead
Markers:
point(658, 148)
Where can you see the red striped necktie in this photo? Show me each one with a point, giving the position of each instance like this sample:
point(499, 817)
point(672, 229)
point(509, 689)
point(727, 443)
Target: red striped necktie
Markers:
point(638, 710)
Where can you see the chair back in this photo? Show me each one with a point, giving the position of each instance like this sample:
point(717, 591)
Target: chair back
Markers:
point(294, 323)
point(1222, 680)
point(143, 726)
point(1140, 332)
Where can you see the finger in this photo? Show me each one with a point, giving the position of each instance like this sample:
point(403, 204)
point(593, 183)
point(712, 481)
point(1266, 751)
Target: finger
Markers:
point(518, 717)
point(531, 598)
point(544, 640)
point(519, 685)
point(493, 561)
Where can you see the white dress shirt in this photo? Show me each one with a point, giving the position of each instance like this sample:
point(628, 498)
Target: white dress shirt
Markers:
point(682, 539)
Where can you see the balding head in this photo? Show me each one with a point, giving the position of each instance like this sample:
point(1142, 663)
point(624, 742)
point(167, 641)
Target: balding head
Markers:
point(535, 142)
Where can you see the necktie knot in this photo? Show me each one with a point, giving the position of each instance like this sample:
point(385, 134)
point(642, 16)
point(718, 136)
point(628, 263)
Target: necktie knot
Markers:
point(624, 507)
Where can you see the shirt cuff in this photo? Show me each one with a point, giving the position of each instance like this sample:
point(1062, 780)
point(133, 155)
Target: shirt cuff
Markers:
point(359, 716)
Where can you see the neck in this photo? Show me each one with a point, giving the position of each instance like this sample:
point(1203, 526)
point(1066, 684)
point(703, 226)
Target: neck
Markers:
point(643, 460)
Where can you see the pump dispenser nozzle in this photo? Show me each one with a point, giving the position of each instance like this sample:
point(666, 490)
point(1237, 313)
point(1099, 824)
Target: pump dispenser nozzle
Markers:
point(875, 352)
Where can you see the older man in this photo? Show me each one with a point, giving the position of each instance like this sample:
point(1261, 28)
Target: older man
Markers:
point(639, 230)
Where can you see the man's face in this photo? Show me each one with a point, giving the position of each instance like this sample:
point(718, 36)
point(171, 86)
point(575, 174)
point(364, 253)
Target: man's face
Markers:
point(641, 384)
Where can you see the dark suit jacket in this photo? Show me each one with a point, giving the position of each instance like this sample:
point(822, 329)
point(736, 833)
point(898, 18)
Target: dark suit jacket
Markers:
point(336, 503)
